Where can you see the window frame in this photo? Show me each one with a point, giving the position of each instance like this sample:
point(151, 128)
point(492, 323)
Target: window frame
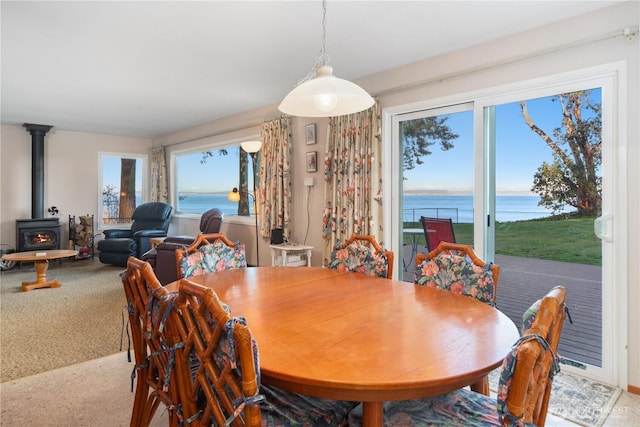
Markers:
point(209, 146)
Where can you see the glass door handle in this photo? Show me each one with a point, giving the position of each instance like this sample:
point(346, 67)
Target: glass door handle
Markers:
point(602, 226)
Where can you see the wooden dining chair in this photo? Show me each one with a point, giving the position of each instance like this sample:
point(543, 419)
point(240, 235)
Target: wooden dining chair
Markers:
point(224, 388)
point(523, 391)
point(152, 371)
point(363, 254)
point(457, 268)
point(209, 253)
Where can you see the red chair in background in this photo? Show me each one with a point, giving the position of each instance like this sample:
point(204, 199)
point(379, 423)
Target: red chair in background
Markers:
point(437, 230)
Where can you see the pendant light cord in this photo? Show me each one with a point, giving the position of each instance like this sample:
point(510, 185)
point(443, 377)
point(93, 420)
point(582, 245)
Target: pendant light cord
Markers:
point(323, 57)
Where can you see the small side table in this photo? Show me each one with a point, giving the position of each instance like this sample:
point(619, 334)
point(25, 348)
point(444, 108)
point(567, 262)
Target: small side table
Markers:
point(41, 262)
point(291, 255)
point(414, 234)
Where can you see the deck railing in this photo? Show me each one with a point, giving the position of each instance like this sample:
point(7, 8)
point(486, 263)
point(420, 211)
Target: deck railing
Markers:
point(414, 214)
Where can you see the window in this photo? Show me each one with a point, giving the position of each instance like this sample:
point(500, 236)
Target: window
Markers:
point(122, 187)
point(204, 178)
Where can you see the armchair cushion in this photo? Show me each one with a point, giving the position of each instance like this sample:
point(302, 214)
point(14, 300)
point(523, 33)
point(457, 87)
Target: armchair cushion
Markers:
point(118, 245)
point(151, 216)
point(359, 258)
point(116, 233)
point(211, 221)
point(150, 233)
point(457, 274)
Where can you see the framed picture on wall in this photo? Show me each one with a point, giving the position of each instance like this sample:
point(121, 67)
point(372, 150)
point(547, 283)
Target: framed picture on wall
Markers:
point(310, 133)
point(312, 161)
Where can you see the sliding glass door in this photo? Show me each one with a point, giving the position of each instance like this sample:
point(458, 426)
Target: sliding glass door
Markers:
point(546, 157)
point(537, 171)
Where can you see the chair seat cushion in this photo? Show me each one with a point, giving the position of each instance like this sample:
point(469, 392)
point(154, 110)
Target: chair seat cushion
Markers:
point(359, 258)
point(120, 244)
point(457, 274)
point(282, 408)
point(458, 408)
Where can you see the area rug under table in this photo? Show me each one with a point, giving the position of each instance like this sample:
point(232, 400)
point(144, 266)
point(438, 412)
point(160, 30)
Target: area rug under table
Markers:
point(576, 399)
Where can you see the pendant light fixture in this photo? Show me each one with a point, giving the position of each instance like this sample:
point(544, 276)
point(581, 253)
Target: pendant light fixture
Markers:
point(320, 93)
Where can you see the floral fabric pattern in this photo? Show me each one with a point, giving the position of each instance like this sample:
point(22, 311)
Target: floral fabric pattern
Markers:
point(506, 378)
point(213, 257)
point(458, 408)
point(274, 184)
point(530, 315)
point(457, 274)
point(283, 409)
point(353, 179)
point(359, 258)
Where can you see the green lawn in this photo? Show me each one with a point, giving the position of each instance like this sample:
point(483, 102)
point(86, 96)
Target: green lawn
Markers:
point(565, 239)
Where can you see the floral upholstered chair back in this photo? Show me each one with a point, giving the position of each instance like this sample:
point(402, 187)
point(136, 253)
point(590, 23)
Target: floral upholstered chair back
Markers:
point(210, 253)
point(362, 254)
point(456, 268)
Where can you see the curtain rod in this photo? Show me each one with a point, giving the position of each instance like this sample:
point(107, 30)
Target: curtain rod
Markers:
point(222, 132)
point(628, 32)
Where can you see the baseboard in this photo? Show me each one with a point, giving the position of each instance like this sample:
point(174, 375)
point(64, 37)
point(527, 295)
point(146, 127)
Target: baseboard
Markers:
point(633, 389)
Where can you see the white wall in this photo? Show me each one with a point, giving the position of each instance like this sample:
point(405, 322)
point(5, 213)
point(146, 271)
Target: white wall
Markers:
point(71, 173)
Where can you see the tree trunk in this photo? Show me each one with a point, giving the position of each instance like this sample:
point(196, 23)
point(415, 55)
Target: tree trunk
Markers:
point(127, 188)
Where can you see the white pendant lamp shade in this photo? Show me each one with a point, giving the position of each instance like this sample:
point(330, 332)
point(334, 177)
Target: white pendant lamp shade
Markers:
point(325, 96)
point(251, 146)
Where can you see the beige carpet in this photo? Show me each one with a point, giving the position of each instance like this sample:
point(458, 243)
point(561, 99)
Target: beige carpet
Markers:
point(49, 328)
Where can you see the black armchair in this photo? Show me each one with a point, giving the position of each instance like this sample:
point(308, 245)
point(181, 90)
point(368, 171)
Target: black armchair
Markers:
point(163, 257)
point(149, 220)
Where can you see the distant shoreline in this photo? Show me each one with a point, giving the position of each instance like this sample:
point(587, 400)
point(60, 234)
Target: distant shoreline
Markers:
point(463, 193)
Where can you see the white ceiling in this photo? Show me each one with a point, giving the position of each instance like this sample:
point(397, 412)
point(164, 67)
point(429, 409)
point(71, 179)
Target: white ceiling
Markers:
point(150, 68)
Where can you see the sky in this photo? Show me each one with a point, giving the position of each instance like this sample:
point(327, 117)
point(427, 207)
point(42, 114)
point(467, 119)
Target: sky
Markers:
point(519, 151)
point(218, 174)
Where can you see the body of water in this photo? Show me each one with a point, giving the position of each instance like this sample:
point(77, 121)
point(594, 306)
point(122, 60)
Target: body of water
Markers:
point(199, 203)
point(459, 208)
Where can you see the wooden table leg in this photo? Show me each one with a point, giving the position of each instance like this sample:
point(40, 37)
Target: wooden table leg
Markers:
point(481, 386)
point(41, 278)
point(372, 415)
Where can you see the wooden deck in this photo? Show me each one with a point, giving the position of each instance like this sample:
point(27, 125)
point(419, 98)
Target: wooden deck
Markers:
point(523, 280)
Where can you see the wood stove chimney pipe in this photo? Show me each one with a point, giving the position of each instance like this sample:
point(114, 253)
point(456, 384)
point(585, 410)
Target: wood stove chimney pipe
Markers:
point(37, 168)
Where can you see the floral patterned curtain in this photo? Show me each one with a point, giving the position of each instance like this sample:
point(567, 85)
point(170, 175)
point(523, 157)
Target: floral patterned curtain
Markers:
point(274, 190)
point(353, 178)
point(158, 175)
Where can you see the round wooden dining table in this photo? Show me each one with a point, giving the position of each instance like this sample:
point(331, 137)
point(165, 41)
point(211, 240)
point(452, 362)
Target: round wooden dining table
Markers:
point(348, 336)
